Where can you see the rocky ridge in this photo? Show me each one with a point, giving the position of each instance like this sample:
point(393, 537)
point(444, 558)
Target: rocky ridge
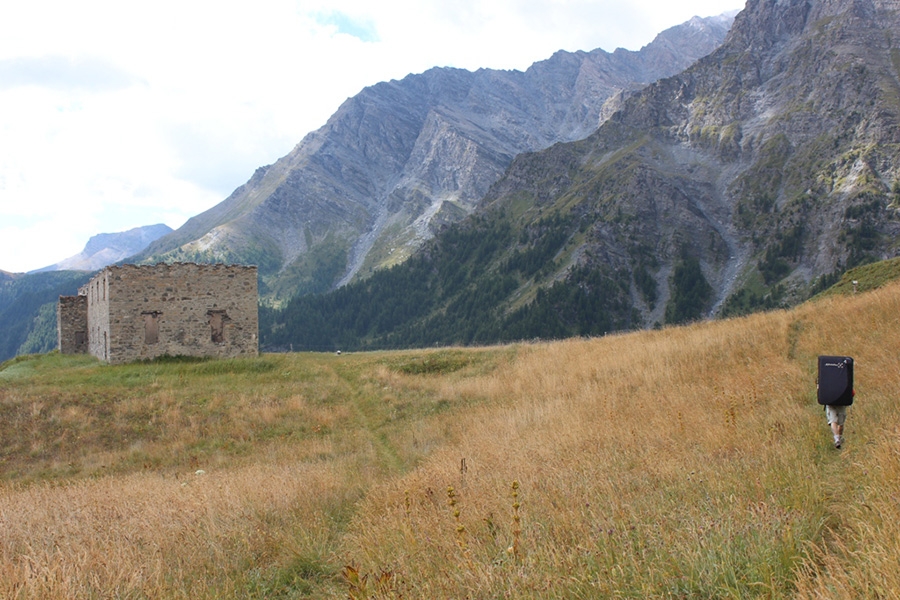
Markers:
point(774, 161)
point(402, 159)
point(108, 248)
point(749, 181)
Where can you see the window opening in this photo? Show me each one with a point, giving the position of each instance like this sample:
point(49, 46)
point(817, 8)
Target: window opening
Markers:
point(217, 320)
point(151, 327)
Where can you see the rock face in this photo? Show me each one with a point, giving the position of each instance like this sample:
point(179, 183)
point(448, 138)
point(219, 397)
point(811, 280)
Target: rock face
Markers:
point(107, 248)
point(404, 158)
point(746, 182)
point(774, 162)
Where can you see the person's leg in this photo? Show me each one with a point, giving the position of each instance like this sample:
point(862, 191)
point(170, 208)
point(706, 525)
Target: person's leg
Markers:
point(836, 416)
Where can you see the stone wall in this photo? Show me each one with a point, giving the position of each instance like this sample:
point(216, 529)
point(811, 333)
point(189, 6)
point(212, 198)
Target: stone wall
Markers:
point(127, 313)
point(96, 290)
point(71, 325)
point(180, 309)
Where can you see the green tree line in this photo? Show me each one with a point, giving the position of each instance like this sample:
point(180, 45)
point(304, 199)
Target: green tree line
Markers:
point(459, 291)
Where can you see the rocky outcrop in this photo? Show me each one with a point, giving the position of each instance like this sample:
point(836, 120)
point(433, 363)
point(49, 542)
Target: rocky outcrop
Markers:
point(403, 158)
point(774, 161)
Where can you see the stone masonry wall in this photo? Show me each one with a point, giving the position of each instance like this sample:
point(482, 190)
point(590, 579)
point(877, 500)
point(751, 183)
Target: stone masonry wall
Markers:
point(97, 292)
point(180, 309)
point(71, 325)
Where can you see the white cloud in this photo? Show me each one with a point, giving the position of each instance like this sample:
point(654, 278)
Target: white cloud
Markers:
point(118, 114)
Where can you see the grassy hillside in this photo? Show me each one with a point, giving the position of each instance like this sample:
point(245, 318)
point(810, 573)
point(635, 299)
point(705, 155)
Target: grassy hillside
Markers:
point(867, 277)
point(685, 462)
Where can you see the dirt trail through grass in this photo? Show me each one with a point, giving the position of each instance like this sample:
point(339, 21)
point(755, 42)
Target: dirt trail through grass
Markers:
point(369, 408)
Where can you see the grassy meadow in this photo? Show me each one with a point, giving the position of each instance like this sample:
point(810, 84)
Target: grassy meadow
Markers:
point(688, 462)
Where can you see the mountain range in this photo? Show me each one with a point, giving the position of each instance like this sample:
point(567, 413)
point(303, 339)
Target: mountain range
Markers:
point(454, 207)
point(750, 180)
point(404, 158)
point(774, 160)
point(396, 163)
point(108, 248)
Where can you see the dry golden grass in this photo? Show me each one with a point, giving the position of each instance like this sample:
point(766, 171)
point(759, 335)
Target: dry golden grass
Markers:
point(688, 462)
point(144, 535)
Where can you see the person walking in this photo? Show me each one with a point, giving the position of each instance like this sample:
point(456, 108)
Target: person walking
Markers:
point(834, 388)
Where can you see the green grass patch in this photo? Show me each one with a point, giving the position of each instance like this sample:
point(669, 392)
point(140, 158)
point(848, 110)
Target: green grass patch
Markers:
point(867, 277)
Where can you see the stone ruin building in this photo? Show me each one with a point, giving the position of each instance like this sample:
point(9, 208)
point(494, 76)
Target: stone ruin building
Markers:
point(130, 312)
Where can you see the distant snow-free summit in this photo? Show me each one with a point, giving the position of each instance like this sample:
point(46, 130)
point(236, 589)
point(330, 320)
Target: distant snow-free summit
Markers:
point(105, 249)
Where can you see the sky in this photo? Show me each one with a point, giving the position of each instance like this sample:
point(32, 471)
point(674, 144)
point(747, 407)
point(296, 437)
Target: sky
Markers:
point(115, 115)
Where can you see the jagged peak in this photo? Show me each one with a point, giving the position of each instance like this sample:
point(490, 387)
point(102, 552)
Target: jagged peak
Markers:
point(764, 23)
point(399, 148)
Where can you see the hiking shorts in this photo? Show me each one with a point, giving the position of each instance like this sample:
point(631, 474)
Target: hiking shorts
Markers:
point(835, 414)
